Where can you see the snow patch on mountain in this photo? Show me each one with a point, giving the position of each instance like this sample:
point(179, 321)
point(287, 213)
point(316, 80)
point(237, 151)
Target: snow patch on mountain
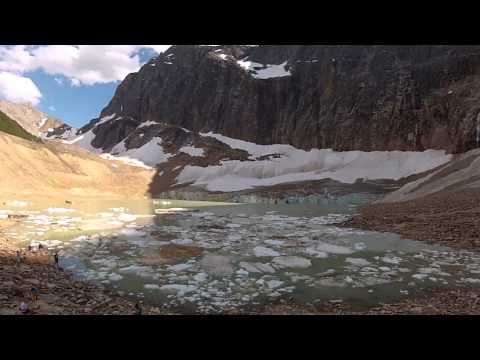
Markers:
point(147, 124)
point(192, 151)
point(150, 154)
point(294, 165)
point(42, 122)
point(125, 160)
point(105, 119)
point(84, 141)
point(261, 71)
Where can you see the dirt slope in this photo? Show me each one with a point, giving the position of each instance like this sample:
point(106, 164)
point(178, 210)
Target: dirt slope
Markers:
point(462, 173)
point(55, 170)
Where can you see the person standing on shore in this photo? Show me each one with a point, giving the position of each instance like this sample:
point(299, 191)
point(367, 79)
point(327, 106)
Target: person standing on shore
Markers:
point(138, 309)
point(34, 291)
point(55, 257)
point(18, 258)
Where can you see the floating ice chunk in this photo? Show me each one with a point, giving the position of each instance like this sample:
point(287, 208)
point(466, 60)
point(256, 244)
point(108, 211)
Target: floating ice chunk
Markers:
point(471, 280)
point(217, 264)
point(419, 276)
point(17, 203)
point(330, 282)
point(242, 272)
point(180, 289)
point(359, 246)
point(171, 210)
point(273, 284)
point(265, 268)
point(201, 277)
point(373, 281)
point(151, 286)
point(261, 251)
point(182, 241)
point(260, 282)
point(315, 253)
point(392, 260)
point(59, 210)
point(357, 261)
point(133, 269)
point(127, 217)
point(179, 267)
point(292, 262)
point(257, 267)
point(115, 277)
point(106, 215)
point(274, 242)
point(132, 232)
point(118, 210)
point(107, 263)
point(249, 267)
point(334, 249)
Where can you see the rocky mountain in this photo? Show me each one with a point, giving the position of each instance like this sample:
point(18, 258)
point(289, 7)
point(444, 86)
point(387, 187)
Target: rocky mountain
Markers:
point(200, 113)
point(34, 121)
point(309, 96)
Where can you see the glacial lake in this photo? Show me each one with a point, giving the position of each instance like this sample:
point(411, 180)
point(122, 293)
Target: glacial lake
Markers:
point(204, 257)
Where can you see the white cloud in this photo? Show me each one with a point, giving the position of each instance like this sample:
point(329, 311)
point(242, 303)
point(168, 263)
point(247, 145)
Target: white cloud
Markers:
point(59, 81)
point(81, 64)
point(18, 89)
point(52, 108)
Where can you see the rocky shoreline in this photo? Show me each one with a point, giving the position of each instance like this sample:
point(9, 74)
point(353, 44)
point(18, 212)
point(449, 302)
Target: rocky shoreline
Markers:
point(447, 218)
point(58, 293)
point(464, 301)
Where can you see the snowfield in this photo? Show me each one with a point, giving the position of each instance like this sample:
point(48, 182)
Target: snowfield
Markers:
point(299, 165)
point(286, 163)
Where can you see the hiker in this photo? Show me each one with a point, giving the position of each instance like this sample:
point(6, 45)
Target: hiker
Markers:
point(29, 247)
point(138, 309)
point(34, 292)
point(40, 246)
point(18, 258)
point(23, 308)
point(55, 257)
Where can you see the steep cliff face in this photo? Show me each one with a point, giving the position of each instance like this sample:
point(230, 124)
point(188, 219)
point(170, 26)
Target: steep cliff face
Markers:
point(309, 96)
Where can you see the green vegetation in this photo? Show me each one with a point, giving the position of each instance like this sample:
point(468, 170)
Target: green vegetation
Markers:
point(9, 126)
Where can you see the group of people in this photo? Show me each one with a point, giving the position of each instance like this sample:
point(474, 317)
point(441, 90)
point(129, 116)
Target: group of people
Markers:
point(34, 292)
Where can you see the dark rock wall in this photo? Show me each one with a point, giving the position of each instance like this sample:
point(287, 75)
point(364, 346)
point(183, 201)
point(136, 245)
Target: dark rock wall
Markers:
point(342, 97)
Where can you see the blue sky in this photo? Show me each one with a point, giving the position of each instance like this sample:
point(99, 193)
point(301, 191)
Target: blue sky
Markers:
point(70, 82)
point(75, 105)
